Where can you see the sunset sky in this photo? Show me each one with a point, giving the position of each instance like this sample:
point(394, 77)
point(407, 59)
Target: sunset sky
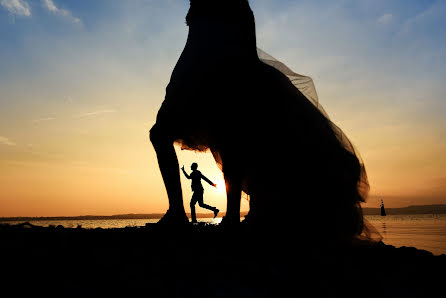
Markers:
point(81, 83)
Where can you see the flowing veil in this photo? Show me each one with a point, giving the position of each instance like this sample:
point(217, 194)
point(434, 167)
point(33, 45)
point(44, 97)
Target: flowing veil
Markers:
point(303, 83)
point(306, 86)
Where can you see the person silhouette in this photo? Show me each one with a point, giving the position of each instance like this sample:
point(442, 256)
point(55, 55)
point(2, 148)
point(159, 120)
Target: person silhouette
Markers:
point(197, 189)
point(256, 116)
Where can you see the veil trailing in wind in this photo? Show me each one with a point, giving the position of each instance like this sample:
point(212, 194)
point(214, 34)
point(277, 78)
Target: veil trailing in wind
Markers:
point(265, 127)
point(303, 83)
point(306, 86)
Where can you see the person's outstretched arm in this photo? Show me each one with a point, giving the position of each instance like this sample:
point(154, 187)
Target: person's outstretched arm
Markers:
point(184, 172)
point(208, 181)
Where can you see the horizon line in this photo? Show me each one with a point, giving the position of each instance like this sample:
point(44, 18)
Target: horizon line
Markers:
point(202, 215)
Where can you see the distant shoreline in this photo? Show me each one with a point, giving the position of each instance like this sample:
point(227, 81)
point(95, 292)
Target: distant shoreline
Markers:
point(418, 209)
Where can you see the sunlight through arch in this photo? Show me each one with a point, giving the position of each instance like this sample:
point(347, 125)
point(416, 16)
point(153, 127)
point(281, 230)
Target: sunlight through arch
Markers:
point(208, 167)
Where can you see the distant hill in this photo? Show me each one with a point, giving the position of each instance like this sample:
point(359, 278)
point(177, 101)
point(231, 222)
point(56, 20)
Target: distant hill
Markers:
point(418, 209)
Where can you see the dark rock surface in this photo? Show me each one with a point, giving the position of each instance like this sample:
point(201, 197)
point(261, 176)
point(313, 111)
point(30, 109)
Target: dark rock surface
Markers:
point(207, 261)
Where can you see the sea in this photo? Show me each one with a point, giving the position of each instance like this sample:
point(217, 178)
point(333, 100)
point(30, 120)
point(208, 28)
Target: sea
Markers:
point(424, 231)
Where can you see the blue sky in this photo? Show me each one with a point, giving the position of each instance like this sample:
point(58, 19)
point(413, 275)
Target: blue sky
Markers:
point(81, 82)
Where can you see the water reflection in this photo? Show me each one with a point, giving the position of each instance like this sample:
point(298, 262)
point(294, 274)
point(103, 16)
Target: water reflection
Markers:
point(423, 231)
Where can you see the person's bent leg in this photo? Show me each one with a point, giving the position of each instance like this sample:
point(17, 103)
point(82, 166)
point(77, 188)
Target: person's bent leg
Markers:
point(205, 206)
point(199, 198)
point(168, 164)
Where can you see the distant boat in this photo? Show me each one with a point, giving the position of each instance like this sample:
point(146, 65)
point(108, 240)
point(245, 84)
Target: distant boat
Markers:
point(383, 211)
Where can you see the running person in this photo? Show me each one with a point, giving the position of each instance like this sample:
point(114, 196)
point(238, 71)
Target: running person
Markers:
point(197, 189)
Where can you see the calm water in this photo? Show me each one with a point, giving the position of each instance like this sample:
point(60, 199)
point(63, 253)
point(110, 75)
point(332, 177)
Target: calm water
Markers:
point(421, 231)
point(424, 231)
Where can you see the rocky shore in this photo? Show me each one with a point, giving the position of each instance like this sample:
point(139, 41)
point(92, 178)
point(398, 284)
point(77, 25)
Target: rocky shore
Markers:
point(207, 261)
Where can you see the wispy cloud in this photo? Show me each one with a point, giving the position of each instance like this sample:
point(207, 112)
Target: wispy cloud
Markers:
point(17, 7)
point(95, 113)
point(6, 141)
point(432, 13)
point(385, 19)
point(43, 119)
point(49, 4)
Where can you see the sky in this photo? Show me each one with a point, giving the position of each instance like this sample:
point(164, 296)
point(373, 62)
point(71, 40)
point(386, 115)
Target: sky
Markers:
point(81, 83)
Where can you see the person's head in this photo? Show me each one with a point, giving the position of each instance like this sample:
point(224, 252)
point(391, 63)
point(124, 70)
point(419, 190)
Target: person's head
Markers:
point(223, 22)
point(194, 166)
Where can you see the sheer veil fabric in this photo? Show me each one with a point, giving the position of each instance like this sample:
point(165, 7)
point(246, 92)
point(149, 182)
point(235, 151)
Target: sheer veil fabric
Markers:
point(303, 83)
point(265, 126)
point(306, 86)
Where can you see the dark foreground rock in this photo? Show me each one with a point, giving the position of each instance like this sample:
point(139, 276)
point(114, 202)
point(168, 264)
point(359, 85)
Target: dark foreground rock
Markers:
point(207, 261)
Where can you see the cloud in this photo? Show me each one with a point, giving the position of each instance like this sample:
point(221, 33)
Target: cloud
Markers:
point(6, 141)
point(49, 4)
point(385, 19)
point(43, 119)
point(95, 113)
point(428, 20)
point(17, 7)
